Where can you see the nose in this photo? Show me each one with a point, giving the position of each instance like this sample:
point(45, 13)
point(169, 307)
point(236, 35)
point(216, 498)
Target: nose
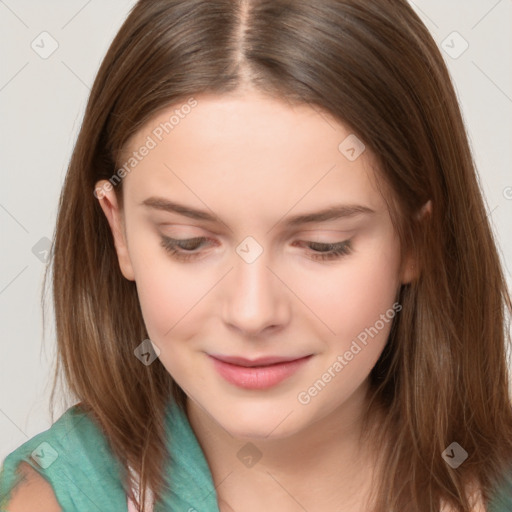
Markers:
point(256, 302)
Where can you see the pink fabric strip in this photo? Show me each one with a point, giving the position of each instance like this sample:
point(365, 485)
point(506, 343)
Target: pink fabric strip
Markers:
point(135, 488)
point(132, 508)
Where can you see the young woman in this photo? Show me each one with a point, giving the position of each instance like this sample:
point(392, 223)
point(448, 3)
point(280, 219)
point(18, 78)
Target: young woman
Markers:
point(275, 283)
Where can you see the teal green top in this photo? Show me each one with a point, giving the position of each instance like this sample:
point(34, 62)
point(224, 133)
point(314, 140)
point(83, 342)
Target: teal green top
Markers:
point(74, 457)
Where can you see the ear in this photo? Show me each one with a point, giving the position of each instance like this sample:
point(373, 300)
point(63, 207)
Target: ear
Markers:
point(107, 198)
point(410, 268)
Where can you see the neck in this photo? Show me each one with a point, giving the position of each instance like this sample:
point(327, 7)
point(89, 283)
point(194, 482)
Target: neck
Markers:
point(325, 466)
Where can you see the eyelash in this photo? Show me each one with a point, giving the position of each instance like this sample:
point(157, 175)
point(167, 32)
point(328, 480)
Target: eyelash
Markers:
point(337, 250)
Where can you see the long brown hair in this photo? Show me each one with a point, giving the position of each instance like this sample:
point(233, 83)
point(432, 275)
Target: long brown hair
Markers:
point(372, 65)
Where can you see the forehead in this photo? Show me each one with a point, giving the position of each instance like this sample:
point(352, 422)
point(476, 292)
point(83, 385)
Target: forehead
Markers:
point(247, 146)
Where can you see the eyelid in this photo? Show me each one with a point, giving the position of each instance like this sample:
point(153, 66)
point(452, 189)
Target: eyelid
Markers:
point(192, 239)
point(335, 250)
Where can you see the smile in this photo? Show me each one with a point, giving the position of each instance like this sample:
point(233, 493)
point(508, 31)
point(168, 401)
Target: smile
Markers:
point(257, 374)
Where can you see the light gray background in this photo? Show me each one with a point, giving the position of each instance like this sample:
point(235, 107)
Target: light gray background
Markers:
point(42, 101)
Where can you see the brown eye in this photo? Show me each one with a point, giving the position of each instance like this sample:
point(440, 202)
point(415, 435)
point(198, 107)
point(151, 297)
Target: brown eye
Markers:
point(188, 248)
point(180, 248)
point(322, 251)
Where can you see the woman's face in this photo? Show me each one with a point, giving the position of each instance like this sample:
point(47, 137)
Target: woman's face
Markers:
point(265, 188)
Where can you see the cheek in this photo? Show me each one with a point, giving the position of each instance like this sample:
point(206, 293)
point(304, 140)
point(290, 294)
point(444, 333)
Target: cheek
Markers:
point(168, 298)
point(357, 303)
point(352, 294)
point(168, 291)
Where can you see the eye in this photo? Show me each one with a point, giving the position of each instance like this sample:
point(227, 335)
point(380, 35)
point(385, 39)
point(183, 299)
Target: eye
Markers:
point(179, 248)
point(187, 249)
point(324, 251)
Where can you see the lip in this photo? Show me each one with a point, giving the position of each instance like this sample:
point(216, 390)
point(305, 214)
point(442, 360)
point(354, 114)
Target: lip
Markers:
point(260, 361)
point(261, 373)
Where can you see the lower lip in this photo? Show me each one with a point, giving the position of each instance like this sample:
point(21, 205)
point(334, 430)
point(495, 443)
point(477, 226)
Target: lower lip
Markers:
point(261, 377)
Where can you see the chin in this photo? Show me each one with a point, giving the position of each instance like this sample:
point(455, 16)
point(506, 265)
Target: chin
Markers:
point(265, 422)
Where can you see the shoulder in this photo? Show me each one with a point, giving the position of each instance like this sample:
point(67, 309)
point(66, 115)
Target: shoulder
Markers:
point(73, 454)
point(29, 475)
point(32, 492)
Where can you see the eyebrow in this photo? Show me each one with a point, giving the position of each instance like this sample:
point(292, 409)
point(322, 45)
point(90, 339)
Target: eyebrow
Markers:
point(330, 213)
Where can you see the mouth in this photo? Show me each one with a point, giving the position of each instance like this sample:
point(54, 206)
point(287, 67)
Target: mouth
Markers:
point(260, 361)
point(261, 373)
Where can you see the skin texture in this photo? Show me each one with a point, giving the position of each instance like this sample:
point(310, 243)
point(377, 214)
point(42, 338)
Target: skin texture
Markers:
point(32, 492)
point(252, 162)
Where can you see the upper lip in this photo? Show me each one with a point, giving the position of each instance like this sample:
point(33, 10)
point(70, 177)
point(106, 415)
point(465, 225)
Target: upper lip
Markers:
point(261, 361)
